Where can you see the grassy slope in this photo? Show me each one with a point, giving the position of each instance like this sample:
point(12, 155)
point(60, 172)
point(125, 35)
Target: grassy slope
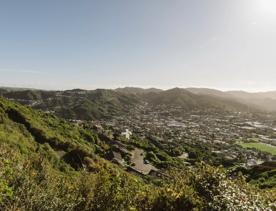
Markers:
point(30, 129)
point(39, 166)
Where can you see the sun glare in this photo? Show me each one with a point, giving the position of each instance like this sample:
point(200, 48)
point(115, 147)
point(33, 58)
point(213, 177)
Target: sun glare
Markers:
point(267, 7)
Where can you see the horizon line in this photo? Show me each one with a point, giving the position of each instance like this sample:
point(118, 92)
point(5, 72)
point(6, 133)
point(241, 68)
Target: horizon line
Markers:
point(134, 86)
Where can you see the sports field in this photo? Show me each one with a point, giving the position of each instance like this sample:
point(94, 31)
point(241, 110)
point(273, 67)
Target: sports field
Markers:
point(259, 146)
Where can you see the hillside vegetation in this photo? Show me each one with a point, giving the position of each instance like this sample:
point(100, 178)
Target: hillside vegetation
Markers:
point(75, 104)
point(190, 101)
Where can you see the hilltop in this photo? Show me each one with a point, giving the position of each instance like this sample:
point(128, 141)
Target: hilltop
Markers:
point(265, 101)
point(191, 101)
point(136, 90)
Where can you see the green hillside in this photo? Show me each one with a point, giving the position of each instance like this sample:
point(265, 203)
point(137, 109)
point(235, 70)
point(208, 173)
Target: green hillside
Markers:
point(190, 101)
point(75, 104)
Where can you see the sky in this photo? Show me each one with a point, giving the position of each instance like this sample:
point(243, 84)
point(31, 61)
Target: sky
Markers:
point(64, 44)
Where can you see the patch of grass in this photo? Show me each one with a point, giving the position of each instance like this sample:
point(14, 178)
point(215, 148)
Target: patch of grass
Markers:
point(259, 146)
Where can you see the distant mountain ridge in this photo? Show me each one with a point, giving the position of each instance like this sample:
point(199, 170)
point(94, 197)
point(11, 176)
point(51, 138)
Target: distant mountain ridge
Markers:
point(136, 90)
point(261, 100)
point(104, 103)
point(189, 101)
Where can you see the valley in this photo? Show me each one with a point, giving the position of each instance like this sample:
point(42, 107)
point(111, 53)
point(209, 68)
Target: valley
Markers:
point(166, 125)
point(159, 147)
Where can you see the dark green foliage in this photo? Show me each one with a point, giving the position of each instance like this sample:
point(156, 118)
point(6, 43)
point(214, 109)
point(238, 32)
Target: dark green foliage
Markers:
point(263, 175)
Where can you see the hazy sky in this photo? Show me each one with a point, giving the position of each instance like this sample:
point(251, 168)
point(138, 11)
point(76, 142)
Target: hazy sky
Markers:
point(61, 44)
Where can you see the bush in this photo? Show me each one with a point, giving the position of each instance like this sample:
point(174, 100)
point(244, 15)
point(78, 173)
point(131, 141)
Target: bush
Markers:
point(220, 192)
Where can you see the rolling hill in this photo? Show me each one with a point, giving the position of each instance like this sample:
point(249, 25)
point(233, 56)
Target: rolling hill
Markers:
point(265, 101)
point(136, 90)
point(75, 104)
point(189, 101)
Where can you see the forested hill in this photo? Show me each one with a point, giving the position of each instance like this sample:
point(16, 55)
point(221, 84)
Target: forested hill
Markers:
point(190, 101)
point(101, 103)
point(76, 104)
